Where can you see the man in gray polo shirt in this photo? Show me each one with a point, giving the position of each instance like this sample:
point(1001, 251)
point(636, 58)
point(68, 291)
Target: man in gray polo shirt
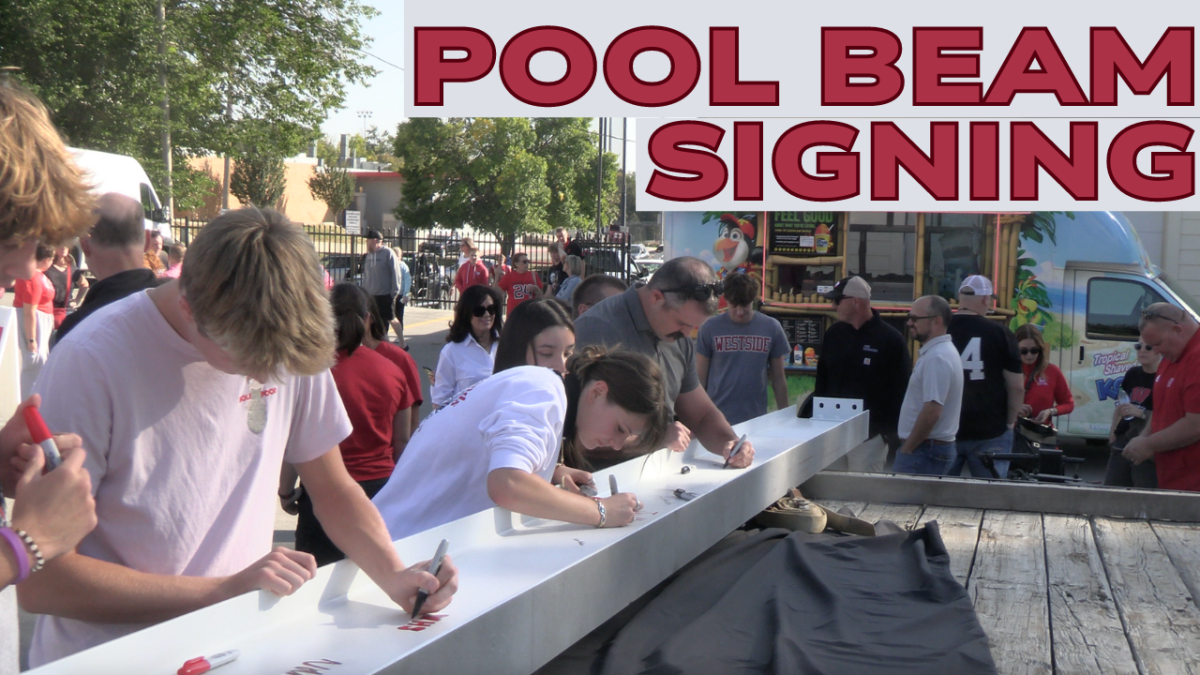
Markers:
point(929, 414)
point(658, 320)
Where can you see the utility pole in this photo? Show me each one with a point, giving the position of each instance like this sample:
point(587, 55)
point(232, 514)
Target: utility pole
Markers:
point(229, 123)
point(599, 176)
point(624, 174)
point(168, 160)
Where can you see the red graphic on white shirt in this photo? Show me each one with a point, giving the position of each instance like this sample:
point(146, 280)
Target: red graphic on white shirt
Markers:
point(265, 393)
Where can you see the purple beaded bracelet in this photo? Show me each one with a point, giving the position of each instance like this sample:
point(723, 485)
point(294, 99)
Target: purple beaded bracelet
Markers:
point(18, 548)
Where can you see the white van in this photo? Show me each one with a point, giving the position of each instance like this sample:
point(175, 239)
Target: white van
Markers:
point(124, 175)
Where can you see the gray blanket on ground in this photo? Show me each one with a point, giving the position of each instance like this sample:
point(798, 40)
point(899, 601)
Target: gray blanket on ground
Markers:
point(792, 603)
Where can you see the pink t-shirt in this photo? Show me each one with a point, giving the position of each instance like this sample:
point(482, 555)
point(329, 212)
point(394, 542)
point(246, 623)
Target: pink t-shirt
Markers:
point(183, 486)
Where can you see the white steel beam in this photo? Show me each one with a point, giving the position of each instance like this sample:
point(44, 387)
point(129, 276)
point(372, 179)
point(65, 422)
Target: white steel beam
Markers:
point(529, 588)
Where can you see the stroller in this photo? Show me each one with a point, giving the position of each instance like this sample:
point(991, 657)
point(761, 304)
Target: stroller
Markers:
point(1035, 457)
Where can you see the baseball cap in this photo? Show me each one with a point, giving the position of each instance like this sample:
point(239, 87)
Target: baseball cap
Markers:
point(979, 285)
point(373, 234)
point(850, 287)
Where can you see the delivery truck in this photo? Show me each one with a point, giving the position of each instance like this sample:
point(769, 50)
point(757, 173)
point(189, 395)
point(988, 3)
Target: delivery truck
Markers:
point(1083, 277)
point(122, 174)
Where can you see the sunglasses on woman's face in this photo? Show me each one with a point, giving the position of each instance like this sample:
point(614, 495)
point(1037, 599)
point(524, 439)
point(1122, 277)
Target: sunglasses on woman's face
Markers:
point(481, 310)
point(1141, 347)
point(1033, 350)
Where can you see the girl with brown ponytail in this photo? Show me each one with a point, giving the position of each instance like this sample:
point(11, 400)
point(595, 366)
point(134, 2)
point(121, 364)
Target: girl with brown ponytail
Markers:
point(497, 444)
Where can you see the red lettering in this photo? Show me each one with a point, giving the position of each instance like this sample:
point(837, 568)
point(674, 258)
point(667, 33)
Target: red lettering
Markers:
point(433, 70)
point(937, 172)
point(839, 169)
point(1179, 168)
point(747, 161)
point(930, 65)
point(704, 174)
point(1017, 74)
point(724, 76)
point(684, 74)
point(519, 81)
point(1172, 58)
point(985, 161)
point(838, 66)
point(1031, 150)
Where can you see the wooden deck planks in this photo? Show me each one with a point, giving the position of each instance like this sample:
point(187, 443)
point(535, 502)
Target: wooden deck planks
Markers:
point(904, 515)
point(960, 533)
point(1087, 632)
point(837, 505)
point(1008, 587)
point(1162, 621)
point(1182, 543)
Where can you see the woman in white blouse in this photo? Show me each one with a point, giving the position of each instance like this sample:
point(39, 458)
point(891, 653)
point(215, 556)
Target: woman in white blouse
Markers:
point(470, 352)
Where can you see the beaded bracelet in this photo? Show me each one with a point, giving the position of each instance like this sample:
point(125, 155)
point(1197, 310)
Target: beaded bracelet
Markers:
point(18, 549)
point(603, 513)
point(33, 548)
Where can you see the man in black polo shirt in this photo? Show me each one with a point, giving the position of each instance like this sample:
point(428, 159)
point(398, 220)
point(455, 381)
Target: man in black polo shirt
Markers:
point(657, 320)
point(863, 357)
point(993, 388)
point(114, 250)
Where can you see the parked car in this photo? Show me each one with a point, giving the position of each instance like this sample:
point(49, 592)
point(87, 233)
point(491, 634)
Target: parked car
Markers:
point(613, 263)
point(339, 265)
point(650, 265)
point(638, 251)
point(431, 282)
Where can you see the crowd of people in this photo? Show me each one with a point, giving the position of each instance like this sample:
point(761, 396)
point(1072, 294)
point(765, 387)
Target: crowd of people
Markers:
point(200, 395)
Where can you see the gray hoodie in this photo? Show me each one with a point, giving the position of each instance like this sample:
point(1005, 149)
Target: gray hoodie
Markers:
point(379, 273)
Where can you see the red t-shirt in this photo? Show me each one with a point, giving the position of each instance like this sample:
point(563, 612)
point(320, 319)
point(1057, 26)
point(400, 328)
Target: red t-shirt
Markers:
point(1177, 393)
point(1048, 391)
point(407, 365)
point(519, 287)
point(37, 290)
point(470, 275)
point(373, 391)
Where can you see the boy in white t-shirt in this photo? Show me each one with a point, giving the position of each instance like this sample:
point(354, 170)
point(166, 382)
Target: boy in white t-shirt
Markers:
point(189, 398)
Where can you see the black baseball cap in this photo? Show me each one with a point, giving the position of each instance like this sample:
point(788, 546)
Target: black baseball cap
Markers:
point(373, 234)
point(850, 287)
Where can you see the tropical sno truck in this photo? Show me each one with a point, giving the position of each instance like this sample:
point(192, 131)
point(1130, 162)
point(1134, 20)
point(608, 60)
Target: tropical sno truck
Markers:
point(1084, 277)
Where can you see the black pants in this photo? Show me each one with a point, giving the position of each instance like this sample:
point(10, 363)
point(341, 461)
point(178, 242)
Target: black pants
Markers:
point(1123, 473)
point(384, 303)
point(311, 537)
point(399, 306)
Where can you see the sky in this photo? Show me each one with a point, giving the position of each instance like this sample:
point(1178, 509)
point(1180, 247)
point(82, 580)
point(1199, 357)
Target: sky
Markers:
point(381, 101)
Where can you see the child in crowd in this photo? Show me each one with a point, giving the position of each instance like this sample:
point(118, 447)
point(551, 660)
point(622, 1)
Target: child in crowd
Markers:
point(574, 269)
point(498, 444)
point(537, 333)
point(377, 400)
point(519, 284)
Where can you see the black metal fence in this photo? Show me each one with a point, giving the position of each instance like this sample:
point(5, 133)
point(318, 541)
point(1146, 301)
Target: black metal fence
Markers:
point(432, 256)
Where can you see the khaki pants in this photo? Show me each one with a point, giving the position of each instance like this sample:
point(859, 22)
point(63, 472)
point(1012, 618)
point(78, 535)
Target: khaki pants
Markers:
point(869, 457)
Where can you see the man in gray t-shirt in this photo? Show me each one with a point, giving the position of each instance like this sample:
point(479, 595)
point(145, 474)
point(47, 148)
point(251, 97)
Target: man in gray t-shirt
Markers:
point(736, 350)
point(657, 320)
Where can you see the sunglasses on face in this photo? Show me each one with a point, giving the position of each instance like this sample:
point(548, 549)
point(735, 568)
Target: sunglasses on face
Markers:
point(1025, 351)
point(481, 310)
point(700, 292)
point(1141, 347)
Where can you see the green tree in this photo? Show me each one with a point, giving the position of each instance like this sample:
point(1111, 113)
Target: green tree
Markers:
point(281, 66)
point(259, 180)
point(505, 175)
point(333, 186)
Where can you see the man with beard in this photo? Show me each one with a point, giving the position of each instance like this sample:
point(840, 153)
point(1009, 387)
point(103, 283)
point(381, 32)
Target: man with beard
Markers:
point(929, 414)
point(658, 320)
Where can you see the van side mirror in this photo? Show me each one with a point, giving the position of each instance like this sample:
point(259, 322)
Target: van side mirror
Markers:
point(158, 216)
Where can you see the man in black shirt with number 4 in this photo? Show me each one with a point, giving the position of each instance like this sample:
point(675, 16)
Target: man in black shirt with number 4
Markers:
point(992, 387)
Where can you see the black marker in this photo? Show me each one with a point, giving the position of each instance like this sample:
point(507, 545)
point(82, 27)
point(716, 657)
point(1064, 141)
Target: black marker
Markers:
point(736, 449)
point(434, 566)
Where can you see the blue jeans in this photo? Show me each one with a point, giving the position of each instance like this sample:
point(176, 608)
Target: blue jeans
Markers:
point(928, 458)
point(969, 451)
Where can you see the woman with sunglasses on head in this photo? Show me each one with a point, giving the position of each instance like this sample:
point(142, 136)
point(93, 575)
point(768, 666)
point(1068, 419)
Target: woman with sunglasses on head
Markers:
point(1130, 417)
point(1047, 393)
point(470, 352)
point(498, 444)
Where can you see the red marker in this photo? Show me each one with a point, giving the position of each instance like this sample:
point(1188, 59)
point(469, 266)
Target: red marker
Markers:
point(203, 664)
point(41, 436)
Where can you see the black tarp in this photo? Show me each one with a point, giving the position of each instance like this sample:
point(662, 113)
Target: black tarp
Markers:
point(795, 603)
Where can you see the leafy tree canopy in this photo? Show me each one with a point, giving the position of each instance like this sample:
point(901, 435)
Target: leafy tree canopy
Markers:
point(507, 175)
point(282, 65)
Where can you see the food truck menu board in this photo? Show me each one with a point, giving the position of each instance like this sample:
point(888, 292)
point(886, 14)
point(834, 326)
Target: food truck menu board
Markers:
point(804, 336)
point(807, 233)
